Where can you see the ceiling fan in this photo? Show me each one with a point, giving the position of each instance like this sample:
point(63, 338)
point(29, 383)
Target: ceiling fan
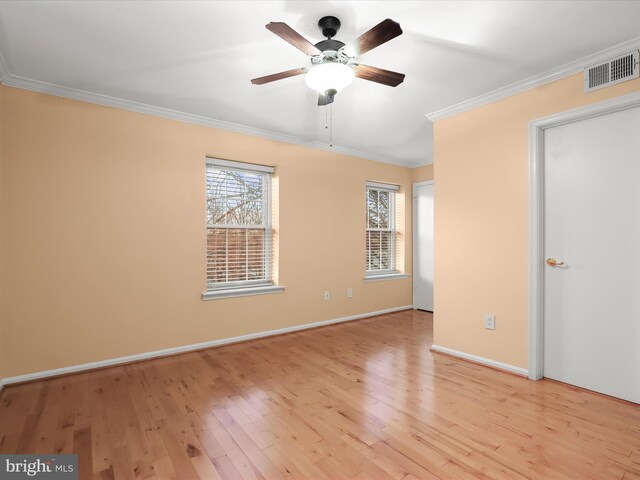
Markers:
point(332, 61)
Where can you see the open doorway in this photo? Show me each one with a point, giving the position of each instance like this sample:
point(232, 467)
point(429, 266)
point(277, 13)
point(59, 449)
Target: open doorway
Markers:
point(423, 245)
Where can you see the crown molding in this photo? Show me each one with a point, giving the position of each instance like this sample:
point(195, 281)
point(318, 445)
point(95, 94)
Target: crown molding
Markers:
point(422, 164)
point(536, 81)
point(38, 86)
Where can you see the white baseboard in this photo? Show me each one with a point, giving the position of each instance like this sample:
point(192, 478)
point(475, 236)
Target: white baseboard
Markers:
point(187, 348)
point(484, 361)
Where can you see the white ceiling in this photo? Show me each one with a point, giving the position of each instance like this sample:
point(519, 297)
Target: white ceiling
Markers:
point(198, 58)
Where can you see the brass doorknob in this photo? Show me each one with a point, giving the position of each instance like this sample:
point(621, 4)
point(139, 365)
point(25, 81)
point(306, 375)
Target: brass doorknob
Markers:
point(552, 262)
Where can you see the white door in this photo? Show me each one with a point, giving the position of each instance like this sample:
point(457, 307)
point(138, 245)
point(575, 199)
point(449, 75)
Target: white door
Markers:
point(423, 245)
point(592, 223)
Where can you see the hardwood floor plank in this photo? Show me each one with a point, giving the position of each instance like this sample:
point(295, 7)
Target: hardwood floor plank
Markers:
point(82, 447)
point(205, 468)
point(180, 460)
point(226, 469)
point(362, 400)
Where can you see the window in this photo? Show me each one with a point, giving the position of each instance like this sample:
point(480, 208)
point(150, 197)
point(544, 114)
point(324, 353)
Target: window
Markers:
point(381, 229)
point(238, 227)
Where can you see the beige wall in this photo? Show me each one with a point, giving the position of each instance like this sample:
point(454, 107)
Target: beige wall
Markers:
point(422, 174)
point(481, 215)
point(101, 224)
point(103, 213)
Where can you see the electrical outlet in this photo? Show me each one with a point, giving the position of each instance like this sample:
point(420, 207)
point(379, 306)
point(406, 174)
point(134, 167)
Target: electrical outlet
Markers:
point(349, 292)
point(489, 321)
point(327, 295)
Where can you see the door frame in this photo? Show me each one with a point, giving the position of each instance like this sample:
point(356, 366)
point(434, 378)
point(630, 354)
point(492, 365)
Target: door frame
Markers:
point(414, 230)
point(536, 214)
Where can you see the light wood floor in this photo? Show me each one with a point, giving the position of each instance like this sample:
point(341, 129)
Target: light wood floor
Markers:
point(363, 400)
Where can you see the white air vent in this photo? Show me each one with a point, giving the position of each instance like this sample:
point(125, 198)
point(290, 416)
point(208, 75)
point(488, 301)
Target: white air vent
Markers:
point(617, 70)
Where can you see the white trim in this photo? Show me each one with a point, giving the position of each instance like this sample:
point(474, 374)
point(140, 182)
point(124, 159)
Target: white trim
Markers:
point(385, 276)
point(536, 81)
point(536, 251)
point(383, 186)
point(421, 184)
point(414, 235)
point(536, 214)
point(242, 292)
point(251, 167)
point(189, 348)
point(99, 99)
point(484, 361)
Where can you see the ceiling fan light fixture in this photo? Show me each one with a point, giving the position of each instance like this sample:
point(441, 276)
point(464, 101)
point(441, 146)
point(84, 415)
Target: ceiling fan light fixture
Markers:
point(331, 69)
point(329, 76)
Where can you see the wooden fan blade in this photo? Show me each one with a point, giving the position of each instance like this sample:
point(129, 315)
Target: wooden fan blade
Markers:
point(289, 35)
point(379, 75)
point(278, 76)
point(381, 33)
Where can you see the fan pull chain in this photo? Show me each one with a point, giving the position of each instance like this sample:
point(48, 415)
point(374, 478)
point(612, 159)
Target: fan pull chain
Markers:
point(328, 122)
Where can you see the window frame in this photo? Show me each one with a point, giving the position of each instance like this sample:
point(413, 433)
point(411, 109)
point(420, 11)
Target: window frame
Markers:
point(393, 191)
point(245, 287)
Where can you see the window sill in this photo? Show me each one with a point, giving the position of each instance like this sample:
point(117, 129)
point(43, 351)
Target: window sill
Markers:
point(242, 292)
point(386, 276)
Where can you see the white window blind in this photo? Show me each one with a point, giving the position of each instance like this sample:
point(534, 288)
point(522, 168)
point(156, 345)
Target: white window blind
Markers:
point(238, 224)
point(381, 228)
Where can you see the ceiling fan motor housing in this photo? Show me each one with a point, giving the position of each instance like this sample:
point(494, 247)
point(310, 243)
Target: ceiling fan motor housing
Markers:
point(329, 26)
point(331, 50)
point(329, 45)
